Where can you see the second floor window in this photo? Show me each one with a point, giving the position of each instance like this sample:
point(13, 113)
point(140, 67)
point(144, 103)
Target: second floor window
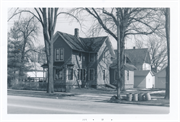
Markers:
point(80, 56)
point(59, 54)
point(91, 57)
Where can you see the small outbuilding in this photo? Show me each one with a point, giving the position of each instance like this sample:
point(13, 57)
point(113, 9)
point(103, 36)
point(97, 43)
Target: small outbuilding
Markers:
point(144, 79)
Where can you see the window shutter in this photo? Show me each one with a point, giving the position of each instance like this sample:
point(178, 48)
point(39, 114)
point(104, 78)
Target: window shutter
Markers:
point(55, 56)
point(93, 74)
point(88, 74)
point(62, 74)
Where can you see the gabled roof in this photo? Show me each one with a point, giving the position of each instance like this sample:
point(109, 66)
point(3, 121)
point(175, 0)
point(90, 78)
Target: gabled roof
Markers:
point(138, 56)
point(92, 44)
point(141, 72)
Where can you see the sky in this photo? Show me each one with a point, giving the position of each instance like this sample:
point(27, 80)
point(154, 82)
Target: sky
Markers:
point(67, 25)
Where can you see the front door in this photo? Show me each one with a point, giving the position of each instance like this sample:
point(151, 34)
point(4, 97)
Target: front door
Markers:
point(82, 76)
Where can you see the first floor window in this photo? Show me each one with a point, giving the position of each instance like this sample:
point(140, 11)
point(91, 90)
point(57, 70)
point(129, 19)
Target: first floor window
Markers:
point(104, 74)
point(59, 74)
point(81, 74)
point(70, 74)
point(91, 74)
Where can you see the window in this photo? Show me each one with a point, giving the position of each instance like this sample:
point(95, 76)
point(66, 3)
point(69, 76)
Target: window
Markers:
point(91, 57)
point(80, 56)
point(81, 74)
point(59, 74)
point(128, 75)
point(104, 74)
point(59, 54)
point(70, 74)
point(91, 74)
point(84, 58)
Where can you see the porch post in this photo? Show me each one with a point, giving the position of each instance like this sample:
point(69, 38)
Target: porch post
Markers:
point(66, 76)
point(43, 74)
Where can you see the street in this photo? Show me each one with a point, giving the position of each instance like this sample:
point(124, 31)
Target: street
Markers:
point(34, 105)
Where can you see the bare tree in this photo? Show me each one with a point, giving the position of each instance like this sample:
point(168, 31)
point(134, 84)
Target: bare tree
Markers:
point(158, 53)
point(139, 44)
point(157, 49)
point(167, 28)
point(24, 31)
point(121, 23)
point(48, 19)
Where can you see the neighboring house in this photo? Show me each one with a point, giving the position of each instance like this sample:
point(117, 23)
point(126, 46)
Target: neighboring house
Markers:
point(160, 79)
point(140, 58)
point(144, 79)
point(82, 61)
point(128, 73)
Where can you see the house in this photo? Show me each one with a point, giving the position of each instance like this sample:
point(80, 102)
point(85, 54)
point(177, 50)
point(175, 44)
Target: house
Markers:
point(81, 61)
point(160, 79)
point(144, 79)
point(128, 73)
point(140, 58)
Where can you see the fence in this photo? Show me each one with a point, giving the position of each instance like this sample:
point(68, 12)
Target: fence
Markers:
point(41, 86)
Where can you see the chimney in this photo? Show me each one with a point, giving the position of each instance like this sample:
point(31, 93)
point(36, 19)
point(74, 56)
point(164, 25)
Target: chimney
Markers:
point(134, 47)
point(76, 32)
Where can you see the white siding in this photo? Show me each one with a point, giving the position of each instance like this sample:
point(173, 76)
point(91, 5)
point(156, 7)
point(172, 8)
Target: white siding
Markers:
point(149, 80)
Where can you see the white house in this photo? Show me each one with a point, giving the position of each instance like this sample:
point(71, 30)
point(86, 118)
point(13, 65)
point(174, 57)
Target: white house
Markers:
point(144, 79)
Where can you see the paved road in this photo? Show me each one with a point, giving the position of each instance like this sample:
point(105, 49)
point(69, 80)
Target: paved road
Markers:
point(34, 105)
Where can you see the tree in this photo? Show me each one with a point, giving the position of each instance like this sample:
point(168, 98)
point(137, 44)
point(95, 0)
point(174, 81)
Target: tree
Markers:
point(121, 23)
point(14, 62)
point(48, 18)
point(20, 42)
point(24, 31)
point(167, 28)
point(157, 49)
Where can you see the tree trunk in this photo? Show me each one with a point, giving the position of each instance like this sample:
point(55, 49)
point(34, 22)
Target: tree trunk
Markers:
point(50, 71)
point(167, 15)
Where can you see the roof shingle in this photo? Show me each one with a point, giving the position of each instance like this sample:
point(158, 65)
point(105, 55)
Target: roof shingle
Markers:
point(92, 44)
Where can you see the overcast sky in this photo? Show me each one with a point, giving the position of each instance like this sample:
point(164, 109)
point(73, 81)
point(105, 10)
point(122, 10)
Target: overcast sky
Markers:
point(67, 25)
